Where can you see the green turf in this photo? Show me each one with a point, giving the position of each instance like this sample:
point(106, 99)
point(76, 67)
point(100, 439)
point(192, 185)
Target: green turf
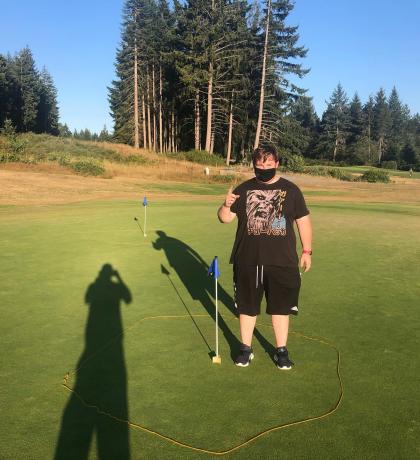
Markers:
point(362, 296)
point(187, 188)
point(392, 172)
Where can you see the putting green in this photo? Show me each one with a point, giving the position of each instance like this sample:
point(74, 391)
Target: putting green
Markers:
point(178, 394)
point(361, 295)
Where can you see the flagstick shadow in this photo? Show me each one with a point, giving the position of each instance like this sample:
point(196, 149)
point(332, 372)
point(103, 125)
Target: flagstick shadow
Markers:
point(166, 272)
point(192, 271)
point(138, 223)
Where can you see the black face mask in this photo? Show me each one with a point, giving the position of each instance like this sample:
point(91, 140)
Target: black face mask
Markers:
point(264, 175)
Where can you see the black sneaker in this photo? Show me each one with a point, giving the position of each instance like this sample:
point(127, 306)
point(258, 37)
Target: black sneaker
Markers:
point(245, 356)
point(281, 358)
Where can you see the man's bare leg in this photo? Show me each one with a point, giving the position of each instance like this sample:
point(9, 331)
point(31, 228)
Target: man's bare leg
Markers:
point(281, 329)
point(247, 325)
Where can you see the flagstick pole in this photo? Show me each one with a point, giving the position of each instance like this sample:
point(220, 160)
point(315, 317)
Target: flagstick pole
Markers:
point(145, 215)
point(217, 320)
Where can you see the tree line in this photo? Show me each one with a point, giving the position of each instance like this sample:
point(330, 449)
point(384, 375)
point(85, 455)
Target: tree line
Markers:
point(208, 75)
point(85, 134)
point(381, 129)
point(28, 97)
point(214, 75)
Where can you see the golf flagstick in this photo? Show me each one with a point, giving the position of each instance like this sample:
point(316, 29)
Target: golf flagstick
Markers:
point(214, 271)
point(145, 215)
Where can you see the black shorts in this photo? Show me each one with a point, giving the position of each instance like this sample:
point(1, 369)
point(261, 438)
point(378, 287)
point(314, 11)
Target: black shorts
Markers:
point(281, 286)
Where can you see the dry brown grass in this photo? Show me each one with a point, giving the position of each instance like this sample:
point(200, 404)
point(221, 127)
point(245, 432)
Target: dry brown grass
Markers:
point(51, 183)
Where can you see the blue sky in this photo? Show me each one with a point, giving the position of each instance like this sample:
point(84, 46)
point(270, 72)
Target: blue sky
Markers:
point(364, 45)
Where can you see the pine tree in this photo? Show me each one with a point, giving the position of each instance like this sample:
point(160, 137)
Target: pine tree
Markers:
point(104, 135)
point(29, 86)
point(125, 92)
point(409, 156)
point(334, 126)
point(191, 54)
point(398, 118)
point(47, 110)
point(64, 130)
point(381, 122)
point(368, 127)
point(357, 145)
point(300, 136)
point(278, 61)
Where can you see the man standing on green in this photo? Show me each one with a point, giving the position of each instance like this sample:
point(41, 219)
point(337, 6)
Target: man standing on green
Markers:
point(264, 253)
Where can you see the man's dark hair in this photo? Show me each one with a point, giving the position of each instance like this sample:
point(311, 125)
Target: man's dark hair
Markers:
point(263, 152)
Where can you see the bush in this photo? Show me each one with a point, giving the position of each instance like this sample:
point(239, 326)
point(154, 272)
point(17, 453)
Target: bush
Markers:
point(295, 163)
point(198, 156)
point(337, 173)
point(135, 159)
point(392, 164)
point(316, 171)
point(88, 167)
point(375, 175)
point(340, 174)
point(224, 178)
point(64, 160)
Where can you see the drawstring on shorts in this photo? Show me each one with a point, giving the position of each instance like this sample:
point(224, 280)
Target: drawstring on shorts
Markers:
point(262, 276)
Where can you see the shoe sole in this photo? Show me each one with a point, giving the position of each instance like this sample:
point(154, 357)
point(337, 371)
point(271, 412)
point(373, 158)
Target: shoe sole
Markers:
point(251, 357)
point(282, 368)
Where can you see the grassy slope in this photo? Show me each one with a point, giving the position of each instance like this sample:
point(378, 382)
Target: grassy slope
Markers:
point(391, 172)
point(362, 296)
point(46, 148)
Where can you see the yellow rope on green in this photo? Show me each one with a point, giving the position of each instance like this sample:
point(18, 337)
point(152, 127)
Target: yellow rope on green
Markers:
point(198, 449)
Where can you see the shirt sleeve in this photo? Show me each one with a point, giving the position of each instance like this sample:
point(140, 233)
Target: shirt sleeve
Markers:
point(234, 207)
point(301, 209)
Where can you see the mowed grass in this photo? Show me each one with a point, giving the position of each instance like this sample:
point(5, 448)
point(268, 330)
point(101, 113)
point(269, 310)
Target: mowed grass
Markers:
point(361, 296)
point(392, 172)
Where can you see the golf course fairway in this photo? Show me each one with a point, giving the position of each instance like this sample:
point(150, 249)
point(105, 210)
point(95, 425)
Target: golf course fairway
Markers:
point(138, 371)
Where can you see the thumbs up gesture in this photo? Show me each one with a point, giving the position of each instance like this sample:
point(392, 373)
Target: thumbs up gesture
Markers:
point(230, 198)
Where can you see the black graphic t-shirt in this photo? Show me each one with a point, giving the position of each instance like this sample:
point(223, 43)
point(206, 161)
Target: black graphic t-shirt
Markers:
point(266, 213)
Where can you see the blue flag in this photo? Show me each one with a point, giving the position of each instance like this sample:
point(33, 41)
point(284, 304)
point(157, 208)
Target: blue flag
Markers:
point(214, 268)
point(144, 201)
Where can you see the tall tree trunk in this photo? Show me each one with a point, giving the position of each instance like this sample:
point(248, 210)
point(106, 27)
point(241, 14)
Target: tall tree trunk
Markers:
point(160, 111)
point(165, 137)
point(336, 142)
point(209, 108)
point(136, 101)
point(154, 108)
point(381, 145)
point(143, 109)
point(229, 146)
point(149, 126)
point(212, 142)
point(369, 142)
point(176, 134)
point(170, 131)
point(173, 129)
point(197, 127)
point(262, 91)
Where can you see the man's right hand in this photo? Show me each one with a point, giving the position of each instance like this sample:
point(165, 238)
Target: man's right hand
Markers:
point(230, 198)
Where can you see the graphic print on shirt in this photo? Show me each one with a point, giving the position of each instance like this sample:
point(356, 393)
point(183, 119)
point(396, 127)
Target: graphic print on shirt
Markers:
point(264, 212)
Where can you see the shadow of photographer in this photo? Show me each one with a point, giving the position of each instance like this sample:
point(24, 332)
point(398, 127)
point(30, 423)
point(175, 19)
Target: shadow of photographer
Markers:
point(101, 378)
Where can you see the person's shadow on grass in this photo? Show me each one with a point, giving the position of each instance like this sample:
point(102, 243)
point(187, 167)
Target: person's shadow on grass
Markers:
point(192, 271)
point(101, 378)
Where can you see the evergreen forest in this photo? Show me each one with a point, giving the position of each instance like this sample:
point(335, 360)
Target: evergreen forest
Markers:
point(219, 76)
